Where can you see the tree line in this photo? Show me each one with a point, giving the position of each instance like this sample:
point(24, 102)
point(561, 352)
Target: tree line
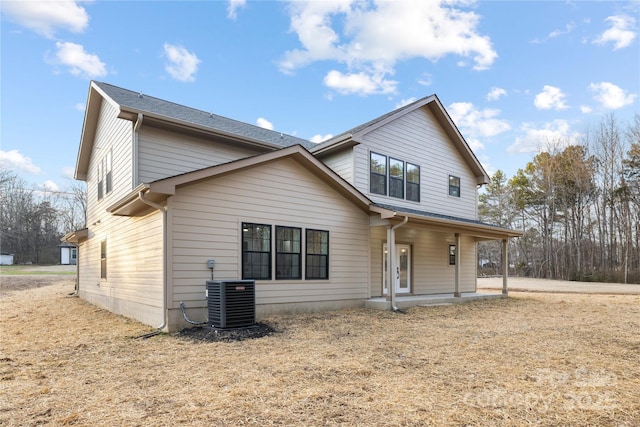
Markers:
point(578, 206)
point(32, 221)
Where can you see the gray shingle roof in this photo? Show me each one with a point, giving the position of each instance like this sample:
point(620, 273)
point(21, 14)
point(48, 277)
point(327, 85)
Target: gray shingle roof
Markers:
point(438, 216)
point(148, 104)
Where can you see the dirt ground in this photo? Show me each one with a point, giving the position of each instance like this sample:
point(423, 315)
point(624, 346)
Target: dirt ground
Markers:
point(531, 359)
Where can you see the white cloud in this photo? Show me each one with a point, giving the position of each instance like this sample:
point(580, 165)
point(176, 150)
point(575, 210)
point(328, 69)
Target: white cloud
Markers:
point(264, 123)
point(359, 83)
point(567, 29)
point(14, 160)
point(45, 17)
point(554, 134)
point(475, 124)
point(404, 102)
point(49, 185)
point(233, 6)
point(621, 32)
point(585, 109)
point(182, 64)
point(425, 80)
point(369, 38)
point(550, 98)
point(68, 172)
point(496, 93)
point(80, 106)
point(320, 138)
point(611, 96)
point(80, 63)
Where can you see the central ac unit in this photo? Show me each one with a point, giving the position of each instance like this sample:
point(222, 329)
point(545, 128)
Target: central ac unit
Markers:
point(231, 303)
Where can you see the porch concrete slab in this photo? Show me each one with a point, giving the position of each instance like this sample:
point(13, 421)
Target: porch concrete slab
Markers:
point(381, 303)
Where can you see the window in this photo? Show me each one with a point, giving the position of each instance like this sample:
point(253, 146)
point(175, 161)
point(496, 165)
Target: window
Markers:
point(107, 171)
point(454, 186)
point(74, 254)
point(288, 253)
point(103, 259)
point(317, 266)
point(413, 182)
point(452, 254)
point(104, 176)
point(396, 178)
point(378, 176)
point(100, 181)
point(256, 251)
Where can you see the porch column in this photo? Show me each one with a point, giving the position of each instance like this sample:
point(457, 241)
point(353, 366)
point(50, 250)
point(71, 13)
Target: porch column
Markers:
point(505, 266)
point(456, 292)
point(390, 244)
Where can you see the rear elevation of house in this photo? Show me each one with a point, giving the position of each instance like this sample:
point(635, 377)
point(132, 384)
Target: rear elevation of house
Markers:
point(385, 212)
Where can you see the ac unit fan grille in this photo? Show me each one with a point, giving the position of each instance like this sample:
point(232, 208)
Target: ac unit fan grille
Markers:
point(231, 303)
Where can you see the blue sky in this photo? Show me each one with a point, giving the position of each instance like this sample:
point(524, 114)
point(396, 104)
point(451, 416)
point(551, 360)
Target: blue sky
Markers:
point(514, 75)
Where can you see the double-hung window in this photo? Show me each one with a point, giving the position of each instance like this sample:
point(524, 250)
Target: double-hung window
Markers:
point(317, 259)
point(256, 251)
point(288, 253)
point(454, 186)
point(378, 175)
point(396, 178)
point(413, 182)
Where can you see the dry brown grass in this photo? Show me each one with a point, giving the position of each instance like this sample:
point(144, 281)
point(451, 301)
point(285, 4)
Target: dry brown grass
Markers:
point(532, 359)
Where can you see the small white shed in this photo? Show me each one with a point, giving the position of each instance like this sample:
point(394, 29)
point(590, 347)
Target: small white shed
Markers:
point(6, 259)
point(68, 254)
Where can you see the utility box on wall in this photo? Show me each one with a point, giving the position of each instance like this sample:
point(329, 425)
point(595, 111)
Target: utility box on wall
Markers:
point(231, 303)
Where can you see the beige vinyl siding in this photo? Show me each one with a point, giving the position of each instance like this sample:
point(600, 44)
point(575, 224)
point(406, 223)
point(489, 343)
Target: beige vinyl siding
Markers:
point(134, 253)
point(116, 135)
point(418, 138)
point(206, 221)
point(163, 153)
point(341, 162)
point(431, 272)
point(134, 283)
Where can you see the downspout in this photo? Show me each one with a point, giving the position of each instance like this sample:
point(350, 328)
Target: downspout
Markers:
point(394, 268)
point(164, 255)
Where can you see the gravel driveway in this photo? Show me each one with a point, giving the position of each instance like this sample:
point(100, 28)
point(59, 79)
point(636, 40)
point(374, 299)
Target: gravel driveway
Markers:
point(527, 284)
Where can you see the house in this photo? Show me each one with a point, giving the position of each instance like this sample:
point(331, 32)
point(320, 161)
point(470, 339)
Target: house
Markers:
point(68, 253)
point(6, 258)
point(383, 215)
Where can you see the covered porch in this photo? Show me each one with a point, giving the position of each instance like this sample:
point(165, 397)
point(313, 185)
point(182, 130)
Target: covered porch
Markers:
point(428, 259)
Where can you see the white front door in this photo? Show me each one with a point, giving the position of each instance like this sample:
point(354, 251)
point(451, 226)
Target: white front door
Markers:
point(402, 277)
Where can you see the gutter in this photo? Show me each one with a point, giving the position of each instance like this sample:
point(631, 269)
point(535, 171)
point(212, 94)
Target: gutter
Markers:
point(392, 254)
point(164, 256)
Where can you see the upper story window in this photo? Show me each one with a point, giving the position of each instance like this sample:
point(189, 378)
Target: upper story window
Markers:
point(288, 253)
point(378, 178)
point(396, 178)
point(403, 178)
point(105, 176)
point(413, 182)
point(454, 186)
point(256, 251)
